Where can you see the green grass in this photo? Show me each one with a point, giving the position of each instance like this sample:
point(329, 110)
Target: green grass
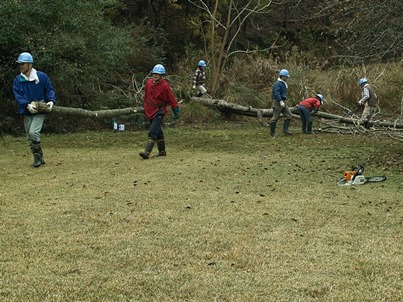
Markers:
point(228, 215)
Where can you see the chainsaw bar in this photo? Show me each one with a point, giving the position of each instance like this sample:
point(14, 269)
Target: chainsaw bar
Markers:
point(376, 179)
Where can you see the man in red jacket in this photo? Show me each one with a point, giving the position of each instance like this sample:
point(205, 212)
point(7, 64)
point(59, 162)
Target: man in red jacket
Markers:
point(158, 95)
point(305, 108)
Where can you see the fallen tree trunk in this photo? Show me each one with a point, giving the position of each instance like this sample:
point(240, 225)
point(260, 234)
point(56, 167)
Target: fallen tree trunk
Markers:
point(261, 113)
point(98, 113)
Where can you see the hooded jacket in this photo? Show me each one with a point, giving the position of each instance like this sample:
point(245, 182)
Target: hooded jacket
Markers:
point(157, 97)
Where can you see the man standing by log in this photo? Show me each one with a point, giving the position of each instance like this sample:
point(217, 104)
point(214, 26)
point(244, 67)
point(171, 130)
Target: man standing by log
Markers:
point(158, 95)
point(369, 100)
point(199, 77)
point(35, 96)
point(279, 98)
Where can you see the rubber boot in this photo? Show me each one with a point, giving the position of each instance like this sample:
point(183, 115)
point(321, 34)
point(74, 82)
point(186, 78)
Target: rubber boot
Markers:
point(366, 125)
point(286, 126)
point(146, 153)
point(161, 148)
point(273, 129)
point(41, 153)
point(38, 155)
point(303, 126)
point(309, 128)
point(149, 147)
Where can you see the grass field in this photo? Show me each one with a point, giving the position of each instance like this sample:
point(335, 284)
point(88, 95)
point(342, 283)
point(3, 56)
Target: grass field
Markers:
point(228, 215)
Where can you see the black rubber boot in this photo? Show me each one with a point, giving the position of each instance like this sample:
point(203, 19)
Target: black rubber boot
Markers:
point(286, 126)
point(366, 125)
point(38, 154)
point(273, 129)
point(161, 148)
point(146, 153)
point(309, 128)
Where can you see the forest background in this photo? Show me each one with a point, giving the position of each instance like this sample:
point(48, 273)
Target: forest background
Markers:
point(99, 53)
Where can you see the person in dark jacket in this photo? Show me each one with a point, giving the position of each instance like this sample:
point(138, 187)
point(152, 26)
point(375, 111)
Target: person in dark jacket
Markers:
point(305, 108)
point(35, 96)
point(369, 100)
point(199, 77)
point(158, 95)
point(279, 105)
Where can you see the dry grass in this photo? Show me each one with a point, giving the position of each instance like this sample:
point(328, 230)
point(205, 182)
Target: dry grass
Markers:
point(228, 215)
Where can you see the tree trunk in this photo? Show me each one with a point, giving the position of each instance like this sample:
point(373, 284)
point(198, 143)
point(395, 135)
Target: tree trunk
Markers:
point(260, 113)
point(98, 113)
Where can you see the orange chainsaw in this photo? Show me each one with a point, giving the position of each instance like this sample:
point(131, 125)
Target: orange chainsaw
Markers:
point(356, 177)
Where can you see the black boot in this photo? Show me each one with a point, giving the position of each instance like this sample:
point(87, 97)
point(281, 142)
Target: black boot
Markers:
point(149, 147)
point(309, 128)
point(366, 125)
point(38, 154)
point(161, 148)
point(286, 126)
point(273, 129)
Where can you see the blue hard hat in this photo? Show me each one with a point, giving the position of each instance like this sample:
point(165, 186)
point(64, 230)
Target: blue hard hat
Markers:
point(25, 57)
point(284, 73)
point(202, 63)
point(320, 97)
point(362, 81)
point(159, 69)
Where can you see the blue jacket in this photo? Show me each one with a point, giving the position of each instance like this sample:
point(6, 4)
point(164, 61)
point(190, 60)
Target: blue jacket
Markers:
point(279, 92)
point(26, 92)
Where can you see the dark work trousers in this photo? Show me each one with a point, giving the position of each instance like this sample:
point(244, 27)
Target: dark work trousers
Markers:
point(306, 115)
point(156, 133)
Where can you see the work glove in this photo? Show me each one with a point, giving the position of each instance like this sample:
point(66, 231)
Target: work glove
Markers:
point(360, 103)
point(194, 86)
point(50, 105)
point(282, 104)
point(176, 113)
point(40, 106)
point(315, 110)
point(31, 108)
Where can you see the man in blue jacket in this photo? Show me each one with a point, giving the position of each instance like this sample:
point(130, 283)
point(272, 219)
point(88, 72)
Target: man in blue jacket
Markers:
point(279, 98)
point(35, 97)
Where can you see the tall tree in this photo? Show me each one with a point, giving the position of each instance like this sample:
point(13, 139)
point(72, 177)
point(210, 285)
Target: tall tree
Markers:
point(221, 24)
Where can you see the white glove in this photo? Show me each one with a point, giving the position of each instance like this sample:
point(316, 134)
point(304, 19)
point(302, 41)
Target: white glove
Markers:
point(361, 102)
point(50, 105)
point(282, 104)
point(31, 108)
point(194, 87)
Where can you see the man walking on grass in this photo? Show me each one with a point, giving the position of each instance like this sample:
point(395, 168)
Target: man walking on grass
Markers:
point(158, 95)
point(35, 96)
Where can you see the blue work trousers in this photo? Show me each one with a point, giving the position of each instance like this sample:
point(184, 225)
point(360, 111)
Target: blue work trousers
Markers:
point(305, 113)
point(156, 133)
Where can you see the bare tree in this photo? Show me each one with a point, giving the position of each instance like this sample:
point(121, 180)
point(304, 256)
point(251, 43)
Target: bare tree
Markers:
point(367, 30)
point(225, 20)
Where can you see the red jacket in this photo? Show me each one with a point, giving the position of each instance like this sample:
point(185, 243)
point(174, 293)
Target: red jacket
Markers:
point(310, 103)
point(157, 97)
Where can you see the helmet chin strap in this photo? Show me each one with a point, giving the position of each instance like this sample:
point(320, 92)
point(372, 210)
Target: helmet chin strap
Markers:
point(28, 70)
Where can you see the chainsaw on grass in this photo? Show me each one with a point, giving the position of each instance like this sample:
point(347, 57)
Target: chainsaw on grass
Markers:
point(356, 177)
